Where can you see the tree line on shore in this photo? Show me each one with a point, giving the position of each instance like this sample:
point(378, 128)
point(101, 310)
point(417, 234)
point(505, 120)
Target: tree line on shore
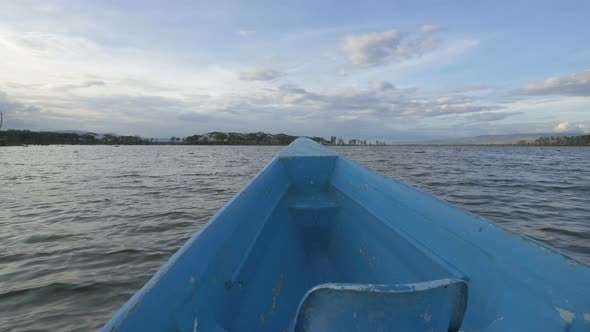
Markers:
point(559, 141)
point(27, 137)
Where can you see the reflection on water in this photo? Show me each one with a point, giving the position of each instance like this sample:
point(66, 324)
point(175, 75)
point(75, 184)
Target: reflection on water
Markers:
point(80, 232)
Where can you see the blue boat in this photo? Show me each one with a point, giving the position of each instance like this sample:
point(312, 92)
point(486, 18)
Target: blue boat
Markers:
point(318, 243)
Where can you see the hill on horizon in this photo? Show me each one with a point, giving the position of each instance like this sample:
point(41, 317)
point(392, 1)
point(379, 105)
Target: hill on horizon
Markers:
point(497, 139)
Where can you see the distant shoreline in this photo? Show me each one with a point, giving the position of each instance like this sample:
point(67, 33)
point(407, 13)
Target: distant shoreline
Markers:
point(44, 138)
point(329, 145)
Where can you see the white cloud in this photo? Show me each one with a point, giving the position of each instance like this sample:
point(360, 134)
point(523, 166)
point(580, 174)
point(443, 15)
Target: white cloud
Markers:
point(382, 86)
point(470, 87)
point(260, 74)
point(81, 85)
point(373, 109)
point(577, 84)
point(372, 49)
point(385, 101)
point(36, 70)
point(566, 127)
point(341, 72)
point(489, 116)
point(246, 33)
point(430, 28)
point(17, 115)
point(45, 44)
point(376, 49)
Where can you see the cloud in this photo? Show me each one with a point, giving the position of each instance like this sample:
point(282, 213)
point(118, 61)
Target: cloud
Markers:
point(9, 106)
point(17, 115)
point(380, 108)
point(375, 49)
point(260, 74)
point(566, 127)
point(489, 116)
point(123, 114)
point(45, 44)
point(341, 72)
point(372, 49)
point(382, 86)
point(246, 33)
point(447, 105)
point(193, 117)
point(430, 28)
point(86, 84)
point(144, 106)
point(544, 101)
point(471, 87)
point(382, 100)
point(577, 84)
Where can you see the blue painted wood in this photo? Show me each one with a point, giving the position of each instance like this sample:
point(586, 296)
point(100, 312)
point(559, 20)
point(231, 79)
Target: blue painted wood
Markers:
point(312, 218)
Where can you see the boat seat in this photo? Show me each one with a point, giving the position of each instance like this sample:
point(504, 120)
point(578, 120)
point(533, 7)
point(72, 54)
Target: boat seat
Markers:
point(436, 305)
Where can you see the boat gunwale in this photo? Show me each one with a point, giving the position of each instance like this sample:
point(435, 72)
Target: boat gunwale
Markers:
point(134, 301)
point(457, 209)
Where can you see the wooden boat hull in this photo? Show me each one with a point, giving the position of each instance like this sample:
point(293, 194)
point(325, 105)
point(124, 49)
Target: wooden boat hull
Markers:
point(318, 243)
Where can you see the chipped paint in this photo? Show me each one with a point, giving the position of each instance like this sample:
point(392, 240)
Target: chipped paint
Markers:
point(135, 305)
point(427, 316)
point(370, 259)
point(566, 315)
point(262, 318)
point(195, 325)
point(192, 280)
point(587, 316)
point(497, 319)
point(572, 262)
point(276, 292)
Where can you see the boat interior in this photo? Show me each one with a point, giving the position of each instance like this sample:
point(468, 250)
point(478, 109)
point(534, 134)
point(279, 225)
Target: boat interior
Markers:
point(319, 261)
point(318, 243)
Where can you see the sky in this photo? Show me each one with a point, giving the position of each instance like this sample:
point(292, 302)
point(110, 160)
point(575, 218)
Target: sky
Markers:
point(393, 70)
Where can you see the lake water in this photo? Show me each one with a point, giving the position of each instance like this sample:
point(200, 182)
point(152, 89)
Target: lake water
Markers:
point(82, 228)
